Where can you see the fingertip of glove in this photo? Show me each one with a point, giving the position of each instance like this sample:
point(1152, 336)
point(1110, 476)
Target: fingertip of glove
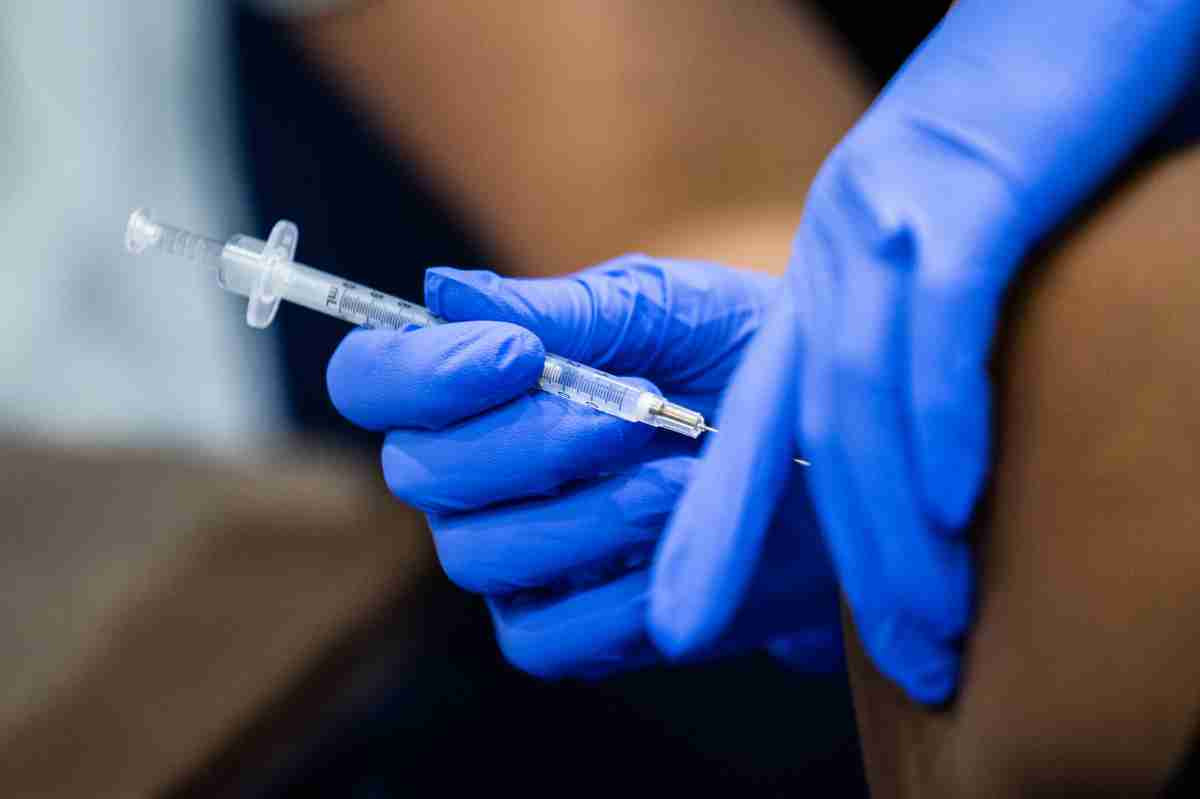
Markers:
point(703, 564)
point(953, 472)
point(679, 625)
point(666, 631)
point(383, 379)
point(459, 293)
point(925, 668)
point(952, 430)
point(343, 375)
point(517, 351)
point(673, 616)
point(933, 684)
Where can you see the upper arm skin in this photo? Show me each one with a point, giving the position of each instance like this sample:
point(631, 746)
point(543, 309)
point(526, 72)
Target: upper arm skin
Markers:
point(570, 131)
point(1082, 671)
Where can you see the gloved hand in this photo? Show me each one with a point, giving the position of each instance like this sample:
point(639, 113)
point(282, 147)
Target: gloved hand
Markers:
point(552, 510)
point(1008, 117)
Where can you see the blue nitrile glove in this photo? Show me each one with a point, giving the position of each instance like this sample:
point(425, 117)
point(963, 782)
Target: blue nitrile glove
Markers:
point(552, 510)
point(1008, 117)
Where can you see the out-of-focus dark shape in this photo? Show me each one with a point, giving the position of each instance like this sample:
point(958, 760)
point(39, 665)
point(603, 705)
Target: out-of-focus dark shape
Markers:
point(881, 35)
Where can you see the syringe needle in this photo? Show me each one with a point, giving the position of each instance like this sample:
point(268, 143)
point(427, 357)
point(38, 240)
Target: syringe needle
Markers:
point(706, 428)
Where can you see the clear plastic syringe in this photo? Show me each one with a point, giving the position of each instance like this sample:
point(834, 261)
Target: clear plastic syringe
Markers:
point(266, 273)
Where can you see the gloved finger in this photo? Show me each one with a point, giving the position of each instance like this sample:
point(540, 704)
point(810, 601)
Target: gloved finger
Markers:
point(590, 633)
point(679, 323)
point(715, 539)
point(792, 594)
point(529, 447)
point(1007, 118)
point(908, 587)
point(431, 377)
point(529, 544)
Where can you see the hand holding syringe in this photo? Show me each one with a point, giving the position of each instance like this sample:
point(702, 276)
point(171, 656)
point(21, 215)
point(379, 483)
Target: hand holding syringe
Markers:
point(266, 274)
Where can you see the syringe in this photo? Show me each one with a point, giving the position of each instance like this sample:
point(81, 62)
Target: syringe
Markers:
point(266, 273)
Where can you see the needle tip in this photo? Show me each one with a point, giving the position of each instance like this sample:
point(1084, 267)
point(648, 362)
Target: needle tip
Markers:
point(709, 429)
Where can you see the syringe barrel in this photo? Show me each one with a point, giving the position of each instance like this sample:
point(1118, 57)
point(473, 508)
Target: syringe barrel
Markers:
point(582, 384)
point(587, 386)
point(356, 304)
point(320, 291)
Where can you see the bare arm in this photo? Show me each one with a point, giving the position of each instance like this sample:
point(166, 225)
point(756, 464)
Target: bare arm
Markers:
point(570, 132)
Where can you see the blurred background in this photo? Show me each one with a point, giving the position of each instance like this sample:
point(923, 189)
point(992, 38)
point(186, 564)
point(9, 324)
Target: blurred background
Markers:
point(207, 589)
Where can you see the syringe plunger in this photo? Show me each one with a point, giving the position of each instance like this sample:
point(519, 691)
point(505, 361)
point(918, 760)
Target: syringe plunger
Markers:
point(143, 233)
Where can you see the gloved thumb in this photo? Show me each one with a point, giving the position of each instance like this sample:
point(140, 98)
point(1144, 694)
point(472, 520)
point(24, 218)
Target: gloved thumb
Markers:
point(705, 565)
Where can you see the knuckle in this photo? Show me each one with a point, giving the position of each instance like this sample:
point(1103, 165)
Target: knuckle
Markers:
point(898, 215)
point(992, 172)
point(629, 260)
point(852, 197)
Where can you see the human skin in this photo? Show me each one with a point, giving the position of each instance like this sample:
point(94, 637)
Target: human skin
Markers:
point(573, 131)
point(568, 132)
point(1082, 669)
